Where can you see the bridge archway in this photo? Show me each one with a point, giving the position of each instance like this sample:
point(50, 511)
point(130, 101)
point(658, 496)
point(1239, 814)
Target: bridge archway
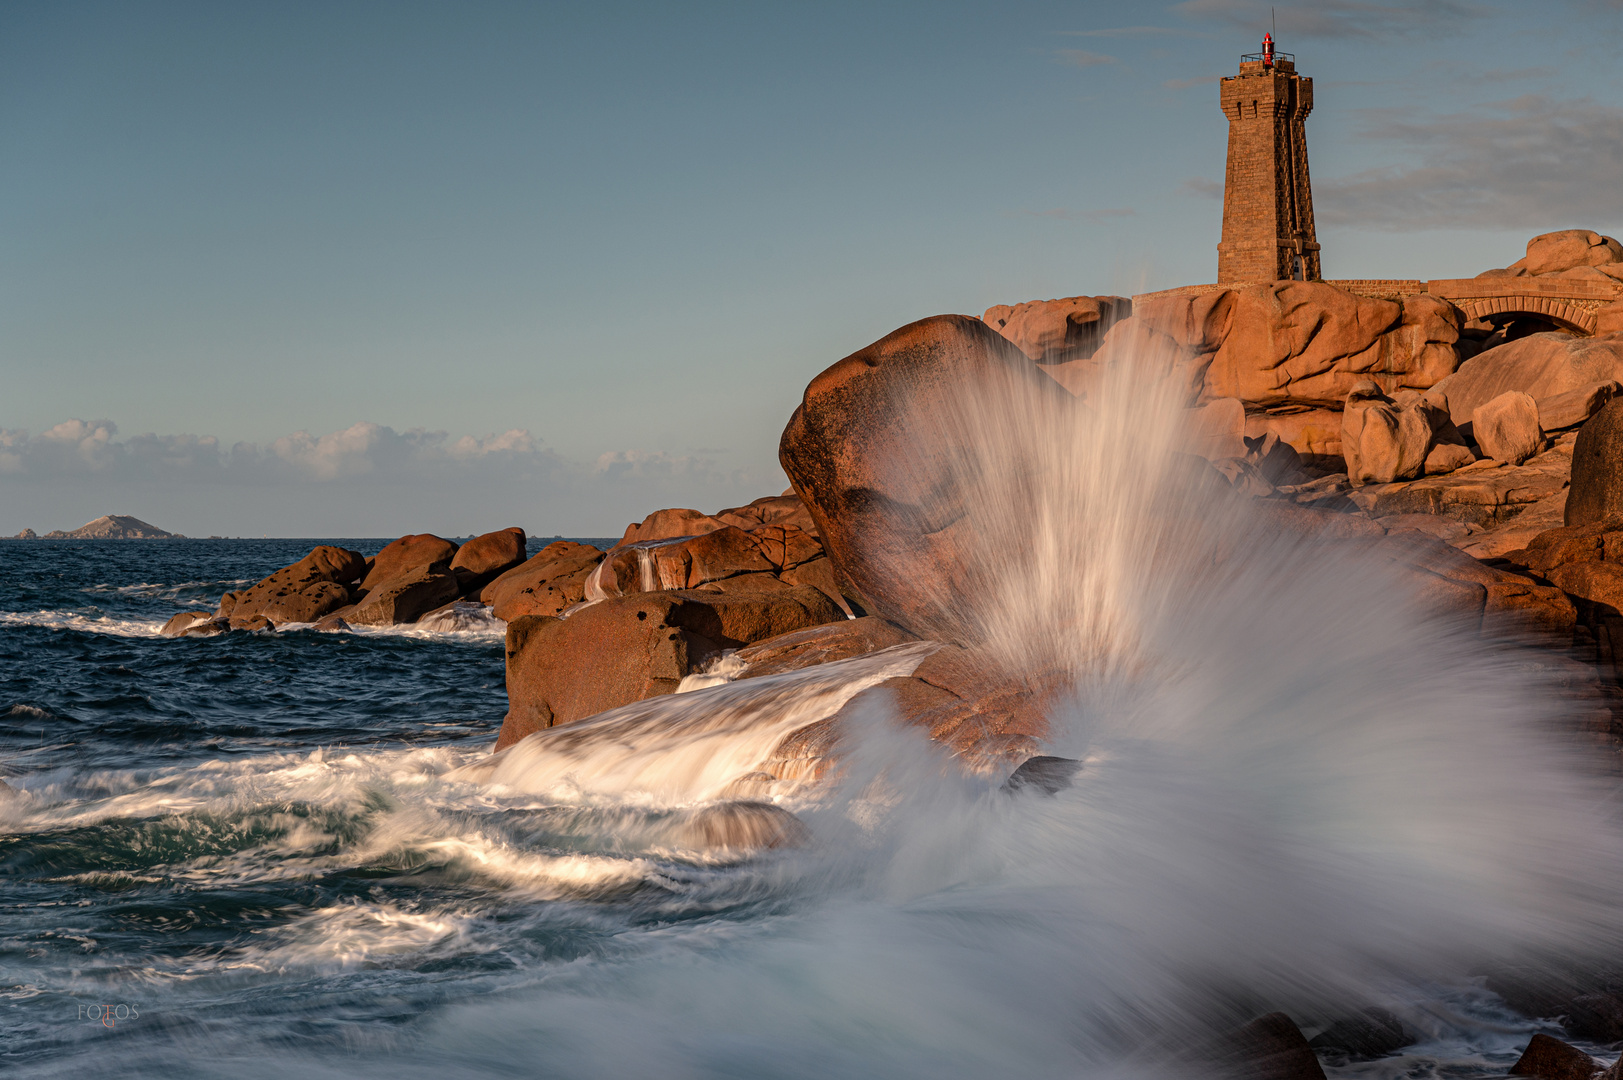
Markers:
point(1500, 310)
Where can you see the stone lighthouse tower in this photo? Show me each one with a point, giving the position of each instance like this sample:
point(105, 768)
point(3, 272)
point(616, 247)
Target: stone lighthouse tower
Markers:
point(1267, 198)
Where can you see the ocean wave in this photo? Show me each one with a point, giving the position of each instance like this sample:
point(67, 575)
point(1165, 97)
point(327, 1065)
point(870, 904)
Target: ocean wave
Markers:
point(118, 626)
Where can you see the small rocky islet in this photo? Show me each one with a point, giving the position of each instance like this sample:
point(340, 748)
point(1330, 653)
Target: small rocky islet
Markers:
point(1483, 464)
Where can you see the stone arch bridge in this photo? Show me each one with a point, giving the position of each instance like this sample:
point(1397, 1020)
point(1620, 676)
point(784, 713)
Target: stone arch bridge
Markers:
point(1567, 303)
point(1561, 302)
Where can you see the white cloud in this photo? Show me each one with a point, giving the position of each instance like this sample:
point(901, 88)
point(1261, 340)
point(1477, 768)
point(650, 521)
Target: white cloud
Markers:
point(365, 480)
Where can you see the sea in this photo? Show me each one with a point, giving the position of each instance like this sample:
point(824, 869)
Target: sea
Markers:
point(264, 854)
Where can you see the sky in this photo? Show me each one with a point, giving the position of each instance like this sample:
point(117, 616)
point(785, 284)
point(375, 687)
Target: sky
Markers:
point(361, 269)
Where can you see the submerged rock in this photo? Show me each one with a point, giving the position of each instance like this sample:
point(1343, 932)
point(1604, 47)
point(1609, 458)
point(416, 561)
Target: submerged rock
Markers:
point(1365, 1035)
point(1270, 1047)
point(1048, 775)
point(195, 624)
point(744, 826)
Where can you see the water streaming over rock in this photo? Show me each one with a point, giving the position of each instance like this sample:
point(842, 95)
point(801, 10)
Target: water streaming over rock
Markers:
point(1300, 791)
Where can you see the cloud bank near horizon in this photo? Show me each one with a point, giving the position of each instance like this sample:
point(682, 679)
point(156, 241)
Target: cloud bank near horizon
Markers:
point(367, 479)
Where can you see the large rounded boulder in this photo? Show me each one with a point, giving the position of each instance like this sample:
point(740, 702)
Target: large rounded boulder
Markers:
point(1597, 468)
point(409, 578)
point(1543, 366)
point(486, 558)
point(871, 451)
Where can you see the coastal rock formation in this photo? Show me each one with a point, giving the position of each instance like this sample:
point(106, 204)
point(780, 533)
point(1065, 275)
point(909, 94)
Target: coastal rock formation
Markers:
point(195, 624)
point(113, 527)
point(1302, 343)
point(485, 558)
point(1506, 428)
point(1057, 331)
point(404, 597)
point(546, 584)
point(1597, 468)
point(691, 561)
point(1543, 366)
point(819, 645)
point(639, 646)
point(418, 551)
point(1548, 1058)
point(27, 534)
point(405, 581)
point(1569, 249)
point(859, 451)
point(785, 509)
point(1308, 343)
point(1385, 440)
point(316, 585)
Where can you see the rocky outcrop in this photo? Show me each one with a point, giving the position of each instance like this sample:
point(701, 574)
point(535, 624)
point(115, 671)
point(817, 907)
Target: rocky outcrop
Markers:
point(320, 583)
point(26, 534)
point(1548, 1058)
point(1270, 1047)
point(865, 451)
point(550, 581)
point(785, 509)
point(1293, 342)
point(1308, 343)
point(691, 561)
point(1383, 439)
point(417, 551)
point(485, 558)
point(1506, 428)
point(1058, 331)
point(405, 597)
point(1569, 249)
point(195, 624)
point(405, 581)
point(1315, 434)
point(1597, 468)
point(669, 524)
point(625, 649)
point(1543, 366)
point(819, 645)
point(114, 527)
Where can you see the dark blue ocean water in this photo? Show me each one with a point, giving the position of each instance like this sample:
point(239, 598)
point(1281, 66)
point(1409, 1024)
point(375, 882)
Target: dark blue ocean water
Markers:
point(245, 841)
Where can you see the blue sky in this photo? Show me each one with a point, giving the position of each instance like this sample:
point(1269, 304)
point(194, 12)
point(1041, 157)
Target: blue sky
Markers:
point(350, 268)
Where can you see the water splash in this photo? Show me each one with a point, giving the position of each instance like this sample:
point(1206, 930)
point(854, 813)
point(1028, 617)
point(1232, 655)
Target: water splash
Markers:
point(689, 748)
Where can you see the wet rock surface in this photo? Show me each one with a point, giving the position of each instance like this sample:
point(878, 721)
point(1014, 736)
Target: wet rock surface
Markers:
point(851, 448)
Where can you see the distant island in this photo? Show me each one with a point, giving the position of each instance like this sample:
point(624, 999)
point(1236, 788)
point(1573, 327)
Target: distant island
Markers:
point(107, 527)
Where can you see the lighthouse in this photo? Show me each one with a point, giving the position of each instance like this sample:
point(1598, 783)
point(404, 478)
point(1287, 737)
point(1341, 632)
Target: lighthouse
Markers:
point(1267, 197)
